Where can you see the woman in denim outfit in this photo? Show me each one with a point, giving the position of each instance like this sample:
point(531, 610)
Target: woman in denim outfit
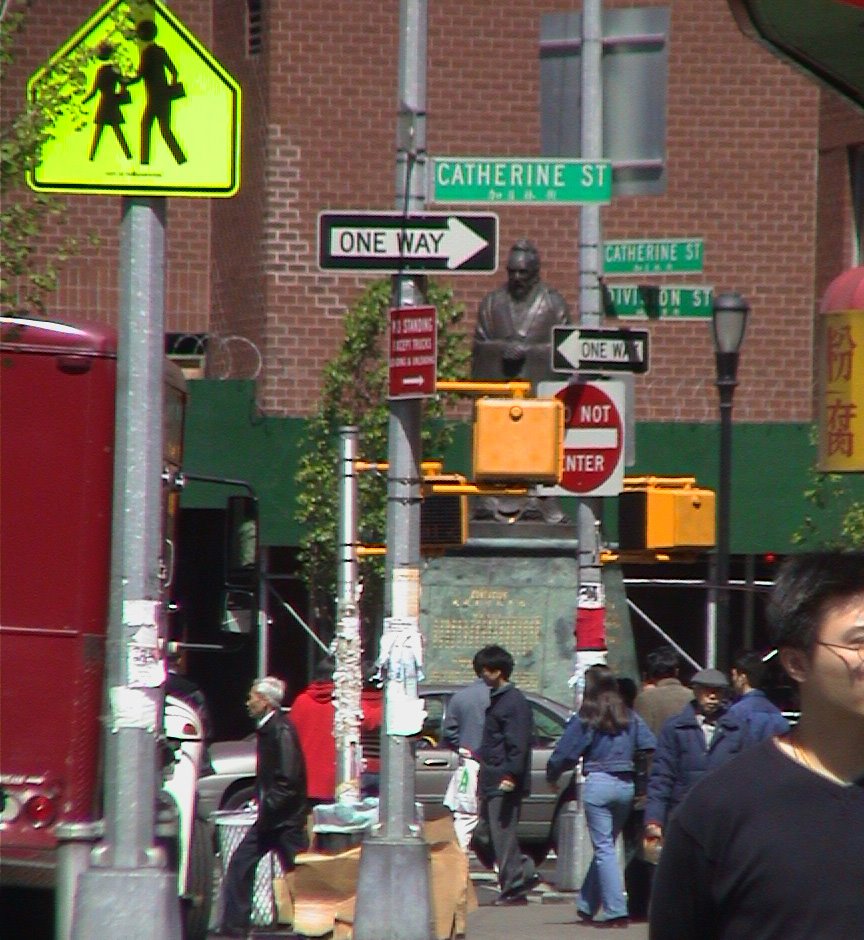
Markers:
point(607, 735)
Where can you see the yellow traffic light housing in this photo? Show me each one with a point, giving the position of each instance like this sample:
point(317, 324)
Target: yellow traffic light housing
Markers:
point(443, 516)
point(665, 513)
point(518, 439)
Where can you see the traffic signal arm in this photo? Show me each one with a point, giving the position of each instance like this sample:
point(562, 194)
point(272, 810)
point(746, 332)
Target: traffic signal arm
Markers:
point(515, 389)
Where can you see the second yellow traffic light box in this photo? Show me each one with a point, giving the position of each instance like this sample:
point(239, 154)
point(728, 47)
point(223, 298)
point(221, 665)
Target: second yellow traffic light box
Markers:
point(665, 513)
point(518, 439)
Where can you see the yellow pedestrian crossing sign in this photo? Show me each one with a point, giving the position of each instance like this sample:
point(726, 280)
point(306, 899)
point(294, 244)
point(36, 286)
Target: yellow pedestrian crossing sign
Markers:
point(156, 114)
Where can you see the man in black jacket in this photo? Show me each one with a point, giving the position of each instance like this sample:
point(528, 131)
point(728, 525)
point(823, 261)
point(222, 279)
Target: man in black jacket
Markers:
point(281, 823)
point(505, 772)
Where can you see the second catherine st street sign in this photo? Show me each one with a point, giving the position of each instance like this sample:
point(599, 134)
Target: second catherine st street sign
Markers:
point(390, 242)
point(521, 179)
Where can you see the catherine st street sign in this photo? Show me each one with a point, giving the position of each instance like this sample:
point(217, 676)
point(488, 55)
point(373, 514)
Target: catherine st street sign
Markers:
point(389, 241)
point(577, 349)
point(654, 256)
point(547, 181)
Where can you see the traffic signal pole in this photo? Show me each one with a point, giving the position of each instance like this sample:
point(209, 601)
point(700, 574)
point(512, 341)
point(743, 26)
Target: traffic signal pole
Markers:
point(574, 846)
point(393, 895)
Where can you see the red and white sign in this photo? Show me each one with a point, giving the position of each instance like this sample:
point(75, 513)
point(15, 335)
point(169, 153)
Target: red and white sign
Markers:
point(593, 437)
point(413, 352)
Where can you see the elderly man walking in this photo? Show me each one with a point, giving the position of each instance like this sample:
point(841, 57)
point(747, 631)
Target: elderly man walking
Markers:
point(281, 790)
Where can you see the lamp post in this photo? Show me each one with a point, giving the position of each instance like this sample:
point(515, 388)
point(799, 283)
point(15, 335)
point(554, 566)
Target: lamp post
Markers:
point(728, 323)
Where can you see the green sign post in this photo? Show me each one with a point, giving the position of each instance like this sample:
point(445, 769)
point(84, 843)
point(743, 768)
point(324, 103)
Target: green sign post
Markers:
point(641, 302)
point(655, 256)
point(159, 116)
point(522, 180)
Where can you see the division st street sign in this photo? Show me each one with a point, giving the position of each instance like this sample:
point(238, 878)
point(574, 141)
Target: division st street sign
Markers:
point(647, 302)
point(466, 243)
point(654, 256)
point(577, 349)
point(546, 181)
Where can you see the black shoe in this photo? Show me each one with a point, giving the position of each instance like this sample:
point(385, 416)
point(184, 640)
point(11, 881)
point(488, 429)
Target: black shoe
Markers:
point(510, 900)
point(613, 922)
point(526, 887)
point(585, 918)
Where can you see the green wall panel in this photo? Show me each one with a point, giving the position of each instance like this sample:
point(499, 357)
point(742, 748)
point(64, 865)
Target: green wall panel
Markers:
point(227, 436)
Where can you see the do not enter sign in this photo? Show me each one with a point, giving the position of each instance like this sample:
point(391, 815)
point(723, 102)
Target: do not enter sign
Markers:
point(593, 438)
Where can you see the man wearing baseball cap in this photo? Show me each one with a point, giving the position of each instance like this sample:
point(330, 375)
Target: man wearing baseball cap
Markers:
point(699, 739)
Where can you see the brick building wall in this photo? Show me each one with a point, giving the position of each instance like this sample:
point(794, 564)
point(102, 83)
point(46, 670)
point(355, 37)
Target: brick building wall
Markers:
point(319, 118)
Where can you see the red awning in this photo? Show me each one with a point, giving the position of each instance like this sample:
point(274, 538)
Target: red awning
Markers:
point(845, 292)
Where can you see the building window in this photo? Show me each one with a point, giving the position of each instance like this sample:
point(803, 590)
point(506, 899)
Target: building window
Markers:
point(254, 27)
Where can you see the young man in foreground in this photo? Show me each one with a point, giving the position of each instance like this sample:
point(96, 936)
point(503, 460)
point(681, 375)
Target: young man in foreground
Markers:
point(771, 845)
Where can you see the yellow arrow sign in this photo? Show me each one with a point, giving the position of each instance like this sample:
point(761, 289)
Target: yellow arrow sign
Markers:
point(159, 116)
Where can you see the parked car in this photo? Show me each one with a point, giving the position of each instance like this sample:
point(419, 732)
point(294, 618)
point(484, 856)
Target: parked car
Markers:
point(231, 786)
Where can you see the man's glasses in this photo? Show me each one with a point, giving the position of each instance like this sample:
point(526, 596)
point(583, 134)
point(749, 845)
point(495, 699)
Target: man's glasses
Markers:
point(859, 649)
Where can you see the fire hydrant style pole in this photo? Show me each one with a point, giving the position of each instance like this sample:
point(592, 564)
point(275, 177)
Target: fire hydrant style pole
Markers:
point(393, 893)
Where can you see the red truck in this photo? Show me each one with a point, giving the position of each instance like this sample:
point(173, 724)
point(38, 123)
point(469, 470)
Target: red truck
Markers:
point(58, 383)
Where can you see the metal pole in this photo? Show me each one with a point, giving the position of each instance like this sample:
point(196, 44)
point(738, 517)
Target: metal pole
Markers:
point(347, 677)
point(575, 848)
point(393, 896)
point(128, 891)
point(724, 508)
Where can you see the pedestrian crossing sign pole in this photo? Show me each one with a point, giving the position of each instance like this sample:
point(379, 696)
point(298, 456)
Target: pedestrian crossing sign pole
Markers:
point(152, 112)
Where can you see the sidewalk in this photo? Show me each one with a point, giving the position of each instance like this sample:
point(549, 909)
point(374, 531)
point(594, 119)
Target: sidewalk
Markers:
point(548, 916)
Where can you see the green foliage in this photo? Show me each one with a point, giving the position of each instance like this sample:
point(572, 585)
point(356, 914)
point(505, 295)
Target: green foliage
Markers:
point(355, 392)
point(24, 215)
point(824, 492)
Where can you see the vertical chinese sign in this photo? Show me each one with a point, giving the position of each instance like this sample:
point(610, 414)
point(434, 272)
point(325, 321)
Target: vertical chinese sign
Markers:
point(841, 391)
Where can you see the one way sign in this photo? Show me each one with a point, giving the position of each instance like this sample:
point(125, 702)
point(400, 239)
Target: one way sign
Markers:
point(439, 241)
point(575, 349)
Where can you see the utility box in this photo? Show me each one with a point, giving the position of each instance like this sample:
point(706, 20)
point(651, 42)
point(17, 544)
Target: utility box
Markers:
point(518, 440)
point(443, 516)
point(665, 513)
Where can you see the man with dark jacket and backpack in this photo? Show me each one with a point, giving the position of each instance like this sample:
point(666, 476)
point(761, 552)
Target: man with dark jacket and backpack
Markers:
point(505, 773)
point(700, 738)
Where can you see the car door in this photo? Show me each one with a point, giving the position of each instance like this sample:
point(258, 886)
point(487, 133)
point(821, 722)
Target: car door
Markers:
point(434, 763)
point(538, 809)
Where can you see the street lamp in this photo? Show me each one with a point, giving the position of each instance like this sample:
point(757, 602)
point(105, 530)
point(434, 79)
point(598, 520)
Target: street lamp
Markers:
point(728, 323)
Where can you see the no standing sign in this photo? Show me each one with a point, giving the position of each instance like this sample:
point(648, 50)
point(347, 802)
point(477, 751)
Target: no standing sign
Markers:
point(593, 438)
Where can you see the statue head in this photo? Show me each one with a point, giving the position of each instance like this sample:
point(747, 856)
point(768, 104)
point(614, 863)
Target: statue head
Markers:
point(523, 268)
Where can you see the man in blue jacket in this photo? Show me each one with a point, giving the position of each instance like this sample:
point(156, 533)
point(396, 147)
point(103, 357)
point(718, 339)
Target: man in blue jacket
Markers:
point(699, 739)
point(762, 717)
point(505, 773)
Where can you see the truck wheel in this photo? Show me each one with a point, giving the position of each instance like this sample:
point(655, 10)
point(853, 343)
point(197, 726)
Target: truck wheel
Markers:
point(196, 904)
point(241, 799)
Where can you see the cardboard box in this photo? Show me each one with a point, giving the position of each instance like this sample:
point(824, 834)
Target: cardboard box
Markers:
point(319, 896)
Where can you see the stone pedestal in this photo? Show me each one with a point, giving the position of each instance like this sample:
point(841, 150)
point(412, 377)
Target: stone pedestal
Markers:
point(515, 585)
point(507, 586)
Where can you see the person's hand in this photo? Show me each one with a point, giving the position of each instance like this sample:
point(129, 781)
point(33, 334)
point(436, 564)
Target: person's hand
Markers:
point(514, 352)
point(507, 785)
point(653, 831)
point(464, 752)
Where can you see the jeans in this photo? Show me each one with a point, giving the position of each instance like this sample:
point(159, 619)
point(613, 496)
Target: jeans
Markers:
point(608, 800)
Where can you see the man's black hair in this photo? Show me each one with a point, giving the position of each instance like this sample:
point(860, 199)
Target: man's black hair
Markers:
point(662, 663)
point(494, 657)
point(751, 664)
point(805, 586)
